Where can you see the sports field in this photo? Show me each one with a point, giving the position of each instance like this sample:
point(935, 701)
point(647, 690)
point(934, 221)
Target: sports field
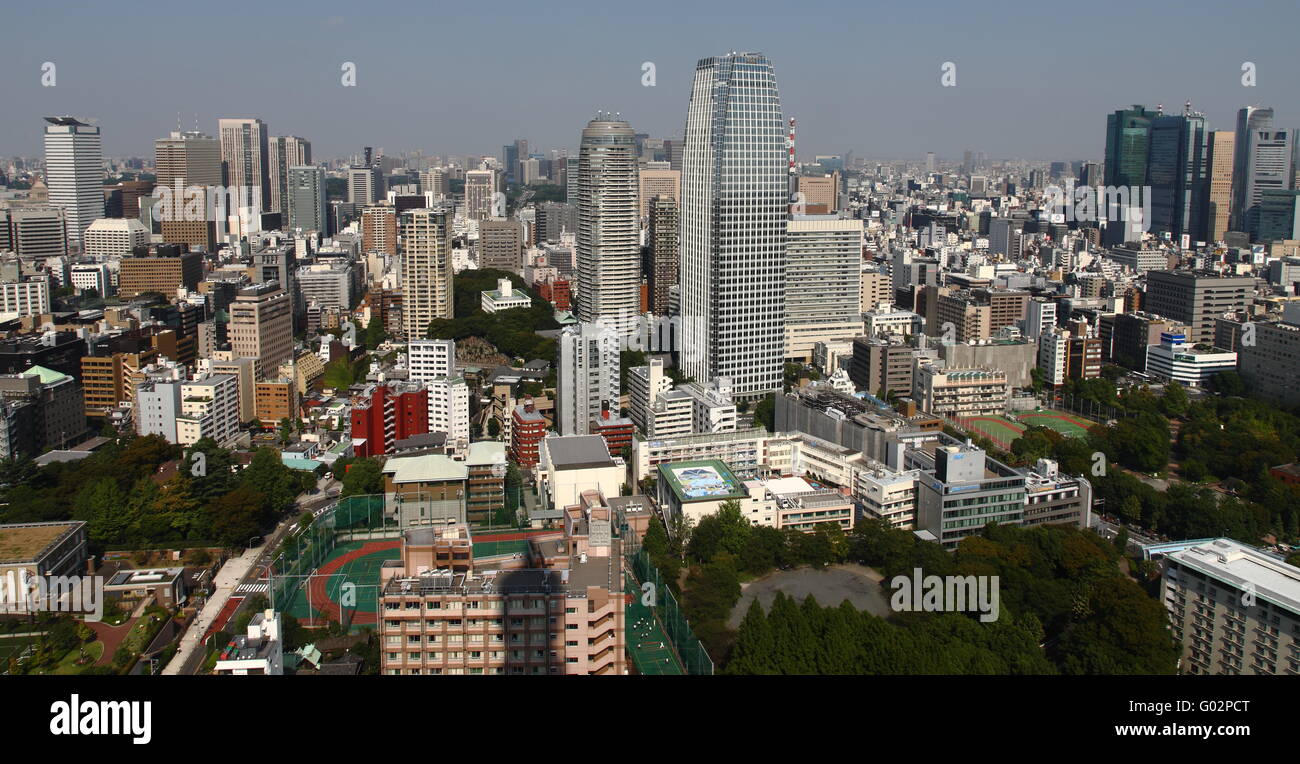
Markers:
point(1003, 431)
point(652, 652)
point(356, 563)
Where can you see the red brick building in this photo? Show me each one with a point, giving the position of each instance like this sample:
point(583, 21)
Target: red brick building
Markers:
point(382, 415)
point(529, 427)
point(556, 291)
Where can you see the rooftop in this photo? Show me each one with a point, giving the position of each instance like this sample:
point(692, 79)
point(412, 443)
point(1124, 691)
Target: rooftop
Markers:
point(27, 542)
point(703, 480)
point(1236, 564)
point(575, 452)
point(424, 468)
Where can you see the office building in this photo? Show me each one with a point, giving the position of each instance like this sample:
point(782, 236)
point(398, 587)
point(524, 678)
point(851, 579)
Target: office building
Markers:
point(1196, 299)
point(261, 326)
point(160, 269)
point(304, 199)
point(1222, 150)
point(735, 194)
point(501, 244)
point(244, 153)
point(111, 238)
point(285, 152)
point(481, 195)
point(823, 282)
point(74, 173)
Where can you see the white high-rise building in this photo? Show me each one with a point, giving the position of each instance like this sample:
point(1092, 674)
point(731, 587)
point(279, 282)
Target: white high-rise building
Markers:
point(244, 154)
point(449, 407)
point(209, 409)
point(733, 220)
point(823, 291)
point(74, 173)
point(587, 379)
point(430, 359)
point(608, 251)
point(480, 194)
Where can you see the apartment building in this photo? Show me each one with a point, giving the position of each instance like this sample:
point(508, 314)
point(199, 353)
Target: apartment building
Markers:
point(1234, 610)
point(209, 409)
point(444, 612)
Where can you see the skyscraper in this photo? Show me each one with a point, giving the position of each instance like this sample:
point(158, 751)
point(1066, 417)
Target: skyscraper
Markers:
point(1128, 153)
point(608, 243)
point(244, 153)
point(733, 207)
point(74, 170)
point(480, 193)
point(823, 282)
point(305, 199)
point(1218, 210)
point(663, 252)
point(426, 269)
point(190, 157)
point(285, 151)
point(1263, 162)
point(1178, 170)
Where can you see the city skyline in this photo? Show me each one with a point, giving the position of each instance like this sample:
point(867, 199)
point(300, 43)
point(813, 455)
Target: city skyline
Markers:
point(847, 97)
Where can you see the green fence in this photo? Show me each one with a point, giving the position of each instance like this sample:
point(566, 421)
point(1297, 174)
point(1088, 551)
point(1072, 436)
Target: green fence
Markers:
point(692, 654)
point(301, 554)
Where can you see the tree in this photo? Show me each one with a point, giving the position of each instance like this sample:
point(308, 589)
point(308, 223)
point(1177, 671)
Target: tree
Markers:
point(237, 516)
point(362, 477)
point(493, 427)
point(765, 412)
point(1174, 402)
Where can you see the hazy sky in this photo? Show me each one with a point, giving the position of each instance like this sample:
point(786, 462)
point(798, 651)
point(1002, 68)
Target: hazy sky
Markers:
point(1034, 79)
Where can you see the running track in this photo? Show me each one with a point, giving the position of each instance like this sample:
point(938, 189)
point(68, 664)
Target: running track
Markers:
point(317, 593)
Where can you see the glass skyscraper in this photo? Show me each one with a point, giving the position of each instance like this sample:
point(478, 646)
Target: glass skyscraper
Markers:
point(734, 200)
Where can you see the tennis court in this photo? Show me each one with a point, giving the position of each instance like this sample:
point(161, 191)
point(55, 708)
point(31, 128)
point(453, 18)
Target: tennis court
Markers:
point(651, 651)
point(1000, 430)
point(1066, 424)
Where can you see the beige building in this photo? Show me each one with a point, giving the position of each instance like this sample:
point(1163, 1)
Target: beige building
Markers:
point(820, 194)
point(556, 608)
point(876, 288)
point(663, 183)
point(261, 326)
point(1222, 146)
point(160, 272)
point(379, 229)
point(960, 392)
point(426, 270)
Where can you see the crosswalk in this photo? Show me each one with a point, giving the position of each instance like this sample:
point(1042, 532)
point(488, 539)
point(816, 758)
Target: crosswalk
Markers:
point(253, 587)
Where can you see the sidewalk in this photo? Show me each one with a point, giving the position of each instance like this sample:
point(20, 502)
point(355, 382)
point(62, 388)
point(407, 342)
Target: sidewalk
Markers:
point(223, 586)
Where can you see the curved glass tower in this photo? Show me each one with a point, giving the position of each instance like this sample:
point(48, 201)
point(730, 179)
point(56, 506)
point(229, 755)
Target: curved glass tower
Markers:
point(733, 226)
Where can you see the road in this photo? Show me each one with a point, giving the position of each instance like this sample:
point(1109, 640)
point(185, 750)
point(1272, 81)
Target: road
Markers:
point(247, 567)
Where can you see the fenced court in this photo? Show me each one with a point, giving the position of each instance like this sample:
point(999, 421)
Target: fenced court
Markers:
point(1003, 432)
point(668, 616)
point(647, 642)
point(999, 429)
point(1071, 425)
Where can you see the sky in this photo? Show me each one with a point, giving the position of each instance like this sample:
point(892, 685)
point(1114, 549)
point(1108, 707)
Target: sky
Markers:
point(1033, 80)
